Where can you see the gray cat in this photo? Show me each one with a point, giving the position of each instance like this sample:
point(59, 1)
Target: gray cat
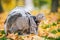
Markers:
point(22, 22)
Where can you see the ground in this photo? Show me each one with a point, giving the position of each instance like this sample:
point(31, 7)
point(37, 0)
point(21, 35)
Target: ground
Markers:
point(48, 29)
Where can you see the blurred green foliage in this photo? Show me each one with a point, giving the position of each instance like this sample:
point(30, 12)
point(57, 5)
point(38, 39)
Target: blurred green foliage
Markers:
point(58, 29)
point(54, 31)
point(54, 24)
point(40, 3)
point(3, 38)
point(44, 26)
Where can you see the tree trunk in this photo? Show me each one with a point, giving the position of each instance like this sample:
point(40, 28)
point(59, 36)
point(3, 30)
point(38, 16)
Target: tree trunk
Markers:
point(29, 5)
point(54, 6)
point(1, 9)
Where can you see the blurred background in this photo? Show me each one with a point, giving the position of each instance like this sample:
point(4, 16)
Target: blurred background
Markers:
point(51, 9)
point(7, 5)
